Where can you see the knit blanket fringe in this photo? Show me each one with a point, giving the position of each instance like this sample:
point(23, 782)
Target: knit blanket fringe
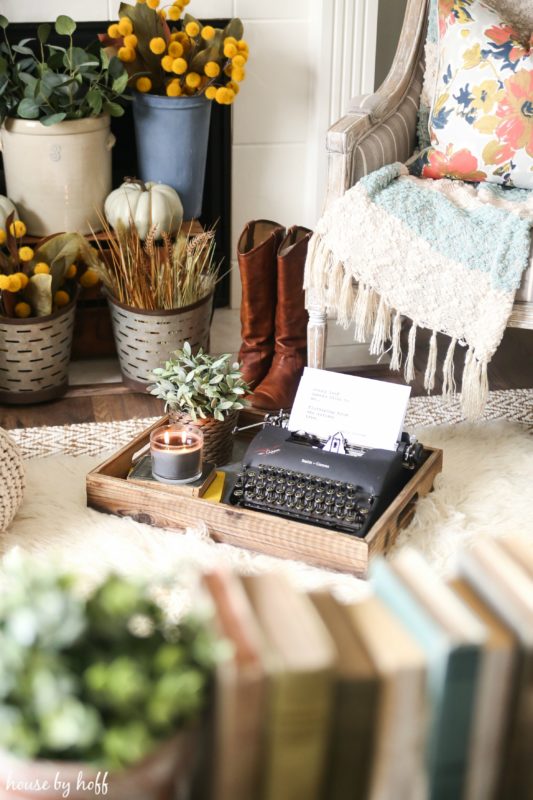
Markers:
point(339, 280)
point(375, 321)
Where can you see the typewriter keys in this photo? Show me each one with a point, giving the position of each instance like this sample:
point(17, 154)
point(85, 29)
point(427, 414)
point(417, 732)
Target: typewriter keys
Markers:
point(334, 504)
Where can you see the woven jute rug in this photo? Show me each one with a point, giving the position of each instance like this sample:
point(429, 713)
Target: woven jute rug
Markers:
point(484, 490)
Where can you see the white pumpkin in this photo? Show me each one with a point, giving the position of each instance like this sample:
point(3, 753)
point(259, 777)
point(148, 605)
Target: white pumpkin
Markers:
point(146, 204)
point(6, 208)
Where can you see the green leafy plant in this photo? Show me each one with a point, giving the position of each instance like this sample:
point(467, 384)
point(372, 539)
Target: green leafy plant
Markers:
point(202, 385)
point(101, 678)
point(52, 83)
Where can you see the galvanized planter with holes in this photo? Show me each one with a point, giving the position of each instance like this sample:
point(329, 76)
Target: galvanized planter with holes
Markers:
point(35, 356)
point(145, 339)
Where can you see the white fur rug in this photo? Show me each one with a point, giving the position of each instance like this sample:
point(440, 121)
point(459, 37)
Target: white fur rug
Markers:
point(484, 491)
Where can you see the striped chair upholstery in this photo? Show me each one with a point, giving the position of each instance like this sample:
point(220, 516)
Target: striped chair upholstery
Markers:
point(394, 138)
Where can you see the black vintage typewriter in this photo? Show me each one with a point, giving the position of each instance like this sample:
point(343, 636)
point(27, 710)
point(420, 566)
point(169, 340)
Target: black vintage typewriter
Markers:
point(297, 476)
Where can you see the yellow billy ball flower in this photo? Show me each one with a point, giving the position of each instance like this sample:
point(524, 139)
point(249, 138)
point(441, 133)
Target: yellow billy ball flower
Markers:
point(179, 66)
point(125, 26)
point(192, 29)
point(175, 37)
point(193, 80)
point(158, 45)
point(89, 278)
point(126, 54)
point(174, 13)
point(211, 92)
point(230, 95)
point(183, 39)
point(162, 14)
point(141, 2)
point(238, 60)
point(71, 271)
point(24, 280)
point(208, 32)
point(173, 88)
point(41, 268)
point(15, 284)
point(166, 63)
point(25, 253)
point(131, 41)
point(237, 74)
point(3, 236)
point(220, 96)
point(113, 31)
point(230, 49)
point(230, 40)
point(22, 310)
point(242, 46)
point(17, 228)
point(4, 282)
point(175, 49)
point(61, 298)
point(235, 88)
point(143, 84)
point(212, 69)
point(152, 3)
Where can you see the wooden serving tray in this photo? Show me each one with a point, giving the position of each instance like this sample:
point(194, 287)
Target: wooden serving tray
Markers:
point(158, 504)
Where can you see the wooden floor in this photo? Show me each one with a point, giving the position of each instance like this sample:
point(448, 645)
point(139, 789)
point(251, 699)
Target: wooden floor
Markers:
point(511, 368)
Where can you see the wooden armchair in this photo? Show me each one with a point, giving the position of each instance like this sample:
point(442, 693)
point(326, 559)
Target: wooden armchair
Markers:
point(380, 129)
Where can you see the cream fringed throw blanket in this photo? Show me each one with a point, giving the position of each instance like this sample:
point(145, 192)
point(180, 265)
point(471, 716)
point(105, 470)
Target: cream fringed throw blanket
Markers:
point(446, 254)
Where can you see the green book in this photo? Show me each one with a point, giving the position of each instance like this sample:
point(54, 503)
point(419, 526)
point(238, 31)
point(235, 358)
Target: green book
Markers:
point(452, 638)
point(299, 658)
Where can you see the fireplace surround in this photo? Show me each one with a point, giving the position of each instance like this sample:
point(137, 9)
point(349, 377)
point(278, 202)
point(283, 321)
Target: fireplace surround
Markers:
point(217, 188)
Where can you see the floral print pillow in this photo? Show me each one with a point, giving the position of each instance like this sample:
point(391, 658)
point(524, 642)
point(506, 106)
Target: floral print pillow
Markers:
point(481, 122)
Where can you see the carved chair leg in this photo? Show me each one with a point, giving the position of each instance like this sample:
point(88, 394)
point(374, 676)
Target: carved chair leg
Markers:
point(317, 332)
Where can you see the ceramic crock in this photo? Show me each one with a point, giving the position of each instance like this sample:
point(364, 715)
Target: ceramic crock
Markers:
point(58, 176)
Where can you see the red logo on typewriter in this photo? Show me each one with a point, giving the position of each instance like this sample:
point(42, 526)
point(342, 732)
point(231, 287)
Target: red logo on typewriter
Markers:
point(267, 451)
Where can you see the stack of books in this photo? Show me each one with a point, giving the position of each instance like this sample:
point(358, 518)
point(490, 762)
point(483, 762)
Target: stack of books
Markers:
point(421, 690)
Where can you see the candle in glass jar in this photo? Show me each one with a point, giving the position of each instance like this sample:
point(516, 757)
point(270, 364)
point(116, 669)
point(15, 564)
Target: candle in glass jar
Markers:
point(176, 452)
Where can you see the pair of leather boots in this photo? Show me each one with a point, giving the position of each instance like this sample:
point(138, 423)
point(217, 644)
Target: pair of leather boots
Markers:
point(273, 353)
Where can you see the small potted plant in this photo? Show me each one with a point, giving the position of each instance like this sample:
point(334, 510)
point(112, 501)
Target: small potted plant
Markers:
point(55, 108)
point(38, 290)
point(177, 67)
point(100, 691)
point(159, 295)
point(204, 390)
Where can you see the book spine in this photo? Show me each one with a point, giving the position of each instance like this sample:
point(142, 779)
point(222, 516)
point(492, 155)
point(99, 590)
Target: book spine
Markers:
point(299, 723)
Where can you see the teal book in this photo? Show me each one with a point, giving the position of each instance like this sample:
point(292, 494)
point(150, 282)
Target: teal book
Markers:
point(452, 638)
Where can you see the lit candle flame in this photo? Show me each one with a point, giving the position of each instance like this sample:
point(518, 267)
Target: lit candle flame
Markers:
point(166, 437)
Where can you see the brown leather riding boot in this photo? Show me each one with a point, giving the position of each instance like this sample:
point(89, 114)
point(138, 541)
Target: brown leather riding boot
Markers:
point(256, 252)
point(279, 387)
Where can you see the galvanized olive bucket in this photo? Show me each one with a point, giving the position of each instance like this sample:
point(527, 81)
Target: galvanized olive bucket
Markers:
point(146, 339)
point(35, 356)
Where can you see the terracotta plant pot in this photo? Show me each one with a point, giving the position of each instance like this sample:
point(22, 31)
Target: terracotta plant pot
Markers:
point(58, 176)
point(35, 356)
point(155, 778)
